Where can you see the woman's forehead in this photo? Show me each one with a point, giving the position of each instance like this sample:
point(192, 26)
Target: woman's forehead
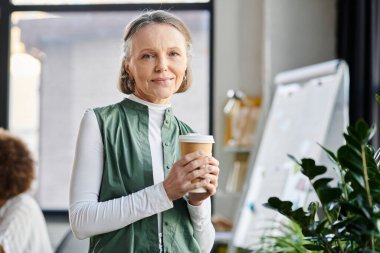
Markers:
point(158, 36)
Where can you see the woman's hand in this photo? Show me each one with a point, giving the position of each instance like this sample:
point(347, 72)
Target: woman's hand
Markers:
point(211, 178)
point(192, 166)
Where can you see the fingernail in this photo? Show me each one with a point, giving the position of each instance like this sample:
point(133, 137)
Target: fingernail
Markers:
point(209, 168)
point(201, 152)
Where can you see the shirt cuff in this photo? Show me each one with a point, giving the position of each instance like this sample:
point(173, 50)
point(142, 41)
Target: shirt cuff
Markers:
point(200, 214)
point(162, 198)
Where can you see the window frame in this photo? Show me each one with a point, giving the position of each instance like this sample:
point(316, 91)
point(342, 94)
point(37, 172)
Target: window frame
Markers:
point(7, 8)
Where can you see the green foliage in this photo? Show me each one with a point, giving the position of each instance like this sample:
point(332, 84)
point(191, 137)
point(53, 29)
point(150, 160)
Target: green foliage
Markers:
point(352, 208)
point(289, 240)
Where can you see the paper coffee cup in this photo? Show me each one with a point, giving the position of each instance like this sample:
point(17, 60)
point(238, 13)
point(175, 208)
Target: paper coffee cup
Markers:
point(196, 142)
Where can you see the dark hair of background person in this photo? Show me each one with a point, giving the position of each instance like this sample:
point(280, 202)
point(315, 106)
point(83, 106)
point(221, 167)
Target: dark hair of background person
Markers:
point(16, 166)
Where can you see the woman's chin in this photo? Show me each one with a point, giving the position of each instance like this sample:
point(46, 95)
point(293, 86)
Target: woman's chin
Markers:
point(164, 95)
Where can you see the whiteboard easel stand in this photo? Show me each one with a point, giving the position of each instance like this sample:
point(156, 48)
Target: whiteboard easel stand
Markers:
point(331, 138)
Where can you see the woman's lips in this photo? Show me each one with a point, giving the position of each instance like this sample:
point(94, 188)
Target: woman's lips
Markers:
point(162, 80)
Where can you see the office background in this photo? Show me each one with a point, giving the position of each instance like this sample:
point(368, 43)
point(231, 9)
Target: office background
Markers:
point(240, 45)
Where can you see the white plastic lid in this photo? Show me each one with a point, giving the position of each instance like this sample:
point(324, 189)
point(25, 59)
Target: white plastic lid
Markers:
point(196, 138)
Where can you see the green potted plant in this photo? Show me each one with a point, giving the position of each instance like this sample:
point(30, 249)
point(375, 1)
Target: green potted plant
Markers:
point(351, 209)
point(288, 239)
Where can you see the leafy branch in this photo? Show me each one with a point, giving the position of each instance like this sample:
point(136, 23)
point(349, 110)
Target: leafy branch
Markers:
point(351, 208)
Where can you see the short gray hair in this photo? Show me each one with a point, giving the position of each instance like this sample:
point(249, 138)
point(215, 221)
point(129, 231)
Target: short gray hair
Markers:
point(126, 85)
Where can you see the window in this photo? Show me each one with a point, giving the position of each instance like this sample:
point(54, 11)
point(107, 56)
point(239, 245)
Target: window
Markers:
point(104, 1)
point(62, 63)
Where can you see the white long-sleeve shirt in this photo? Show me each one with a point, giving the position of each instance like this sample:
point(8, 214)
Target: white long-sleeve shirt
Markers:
point(23, 227)
point(89, 217)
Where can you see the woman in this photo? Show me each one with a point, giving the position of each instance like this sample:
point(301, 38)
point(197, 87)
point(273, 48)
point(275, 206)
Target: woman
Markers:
point(22, 224)
point(129, 186)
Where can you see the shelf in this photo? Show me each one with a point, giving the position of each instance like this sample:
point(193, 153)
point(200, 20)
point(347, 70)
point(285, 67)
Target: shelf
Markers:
point(233, 194)
point(237, 149)
point(224, 237)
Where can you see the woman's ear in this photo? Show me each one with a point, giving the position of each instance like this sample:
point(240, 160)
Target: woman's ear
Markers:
point(127, 68)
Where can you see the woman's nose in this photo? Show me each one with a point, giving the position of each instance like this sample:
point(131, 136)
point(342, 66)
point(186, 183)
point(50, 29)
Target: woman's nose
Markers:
point(161, 64)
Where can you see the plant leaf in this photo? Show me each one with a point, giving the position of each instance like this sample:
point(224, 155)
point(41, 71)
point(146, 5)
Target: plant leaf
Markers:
point(284, 207)
point(329, 194)
point(330, 154)
point(349, 159)
point(366, 133)
point(321, 183)
point(313, 247)
point(294, 159)
point(310, 169)
point(356, 181)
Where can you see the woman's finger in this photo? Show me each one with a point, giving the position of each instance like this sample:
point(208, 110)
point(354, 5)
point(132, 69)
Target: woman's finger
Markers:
point(199, 172)
point(213, 170)
point(196, 164)
point(189, 157)
point(213, 161)
point(213, 179)
point(199, 197)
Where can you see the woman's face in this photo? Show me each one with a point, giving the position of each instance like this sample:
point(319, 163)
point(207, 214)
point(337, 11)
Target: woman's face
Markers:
point(157, 63)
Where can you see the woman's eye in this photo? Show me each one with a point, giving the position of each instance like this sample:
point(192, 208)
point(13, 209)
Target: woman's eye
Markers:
point(173, 53)
point(147, 56)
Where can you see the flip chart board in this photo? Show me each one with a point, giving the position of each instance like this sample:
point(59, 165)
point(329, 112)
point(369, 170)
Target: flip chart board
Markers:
point(309, 107)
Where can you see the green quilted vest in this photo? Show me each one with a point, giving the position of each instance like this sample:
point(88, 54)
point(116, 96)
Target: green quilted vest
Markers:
point(128, 169)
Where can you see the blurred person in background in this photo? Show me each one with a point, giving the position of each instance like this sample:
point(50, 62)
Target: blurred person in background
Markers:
point(22, 224)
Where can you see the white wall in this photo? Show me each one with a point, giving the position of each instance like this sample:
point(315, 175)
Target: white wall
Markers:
point(297, 33)
point(238, 54)
point(254, 40)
